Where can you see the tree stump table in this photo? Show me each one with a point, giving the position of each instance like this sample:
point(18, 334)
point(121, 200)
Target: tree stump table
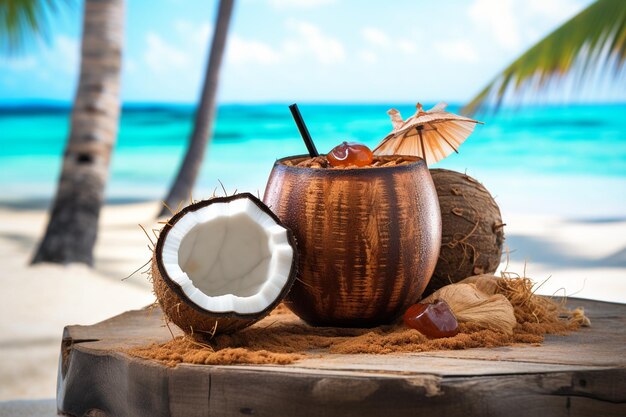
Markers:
point(583, 373)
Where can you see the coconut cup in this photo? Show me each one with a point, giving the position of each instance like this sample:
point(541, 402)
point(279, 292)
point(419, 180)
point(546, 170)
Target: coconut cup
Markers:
point(368, 238)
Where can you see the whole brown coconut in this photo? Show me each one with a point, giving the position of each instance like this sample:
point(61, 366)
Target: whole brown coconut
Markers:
point(472, 229)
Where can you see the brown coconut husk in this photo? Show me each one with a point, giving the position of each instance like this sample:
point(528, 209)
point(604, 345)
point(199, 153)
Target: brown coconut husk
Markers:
point(536, 313)
point(198, 324)
point(282, 338)
point(179, 309)
point(472, 229)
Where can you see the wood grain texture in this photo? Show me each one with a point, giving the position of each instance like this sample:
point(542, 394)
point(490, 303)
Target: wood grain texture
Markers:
point(581, 374)
point(368, 239)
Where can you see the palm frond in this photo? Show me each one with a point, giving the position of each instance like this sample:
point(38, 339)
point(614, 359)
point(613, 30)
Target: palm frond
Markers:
point(593, 39)
point(22, 21)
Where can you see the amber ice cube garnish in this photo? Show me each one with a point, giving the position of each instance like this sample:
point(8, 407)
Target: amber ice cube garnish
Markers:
point(349, 153)
point(432, 320)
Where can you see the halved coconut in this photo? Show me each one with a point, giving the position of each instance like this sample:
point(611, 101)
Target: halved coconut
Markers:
point(222, 264)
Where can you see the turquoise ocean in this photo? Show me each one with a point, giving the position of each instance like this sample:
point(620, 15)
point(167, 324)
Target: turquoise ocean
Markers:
point(561, 160)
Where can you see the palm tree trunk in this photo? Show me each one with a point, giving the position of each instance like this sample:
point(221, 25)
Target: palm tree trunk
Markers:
point(205, 114)
point(73, 225)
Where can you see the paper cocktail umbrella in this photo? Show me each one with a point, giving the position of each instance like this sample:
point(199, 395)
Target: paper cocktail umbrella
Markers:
point(431, 135)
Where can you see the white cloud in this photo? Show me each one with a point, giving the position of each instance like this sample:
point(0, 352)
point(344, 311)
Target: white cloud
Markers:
point(66, 51)
point(184, 49)
point(326, 49)
point(305, 40)
point(552, 8)
point(187, 49)
point(240, 50)
point(197, 33)
point(407, 47)
point(193, 40)
point(19, 63)
point(380, 39)
point(498, 16)
point(375, 36)
point(130, 65)
point(368, 57)
point(459, 50)
point(163, 57)
point(62, 55)
point(513, 23)
point(301, 4)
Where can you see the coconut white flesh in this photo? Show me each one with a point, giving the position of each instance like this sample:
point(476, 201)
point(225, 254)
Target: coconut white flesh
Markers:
point(229, 256)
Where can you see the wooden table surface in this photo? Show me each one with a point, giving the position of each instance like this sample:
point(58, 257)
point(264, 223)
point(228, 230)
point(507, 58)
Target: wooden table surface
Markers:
point(583, 373)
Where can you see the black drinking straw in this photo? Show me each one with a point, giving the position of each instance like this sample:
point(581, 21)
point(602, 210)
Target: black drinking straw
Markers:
point(304, 132)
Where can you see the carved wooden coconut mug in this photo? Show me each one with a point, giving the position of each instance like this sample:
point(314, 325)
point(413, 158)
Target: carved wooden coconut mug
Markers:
point(368, 238)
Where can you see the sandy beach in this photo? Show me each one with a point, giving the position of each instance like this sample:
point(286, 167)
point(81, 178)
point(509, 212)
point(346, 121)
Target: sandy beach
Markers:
point(585, 259)
point(39, 301)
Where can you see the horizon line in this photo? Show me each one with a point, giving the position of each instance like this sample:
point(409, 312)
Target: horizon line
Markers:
point(67, 104)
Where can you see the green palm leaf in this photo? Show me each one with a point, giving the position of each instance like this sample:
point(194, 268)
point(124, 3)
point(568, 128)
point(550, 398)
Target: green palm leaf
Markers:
point(24, 20)
point(593, 39)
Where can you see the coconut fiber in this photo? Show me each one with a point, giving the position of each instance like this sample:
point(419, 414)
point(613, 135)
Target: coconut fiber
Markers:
point(282, 338)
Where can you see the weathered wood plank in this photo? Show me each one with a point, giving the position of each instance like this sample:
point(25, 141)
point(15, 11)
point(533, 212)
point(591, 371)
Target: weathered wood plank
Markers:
point(188, 386)
point(308, 395)
point(407, 364)
point(140, 327)
point(580, 374)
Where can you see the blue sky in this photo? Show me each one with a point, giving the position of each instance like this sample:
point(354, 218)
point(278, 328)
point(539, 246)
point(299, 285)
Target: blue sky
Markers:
point(304, 50)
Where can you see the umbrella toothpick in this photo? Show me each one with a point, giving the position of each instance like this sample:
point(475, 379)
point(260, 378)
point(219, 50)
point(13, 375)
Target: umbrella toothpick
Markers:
point(418, 135)
point(419, 132)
